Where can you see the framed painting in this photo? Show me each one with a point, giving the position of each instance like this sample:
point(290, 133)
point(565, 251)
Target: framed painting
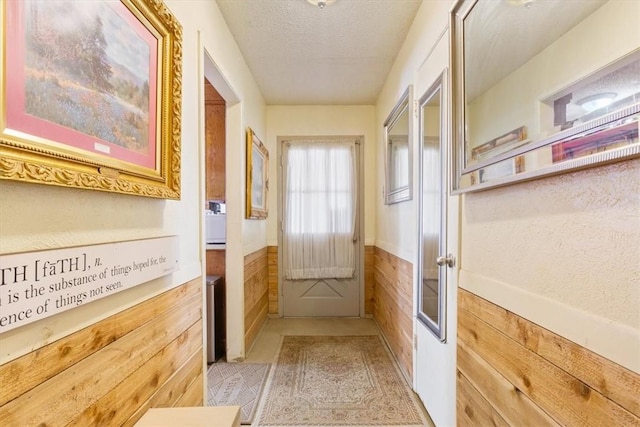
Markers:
point(257, 177)
point(91, 95)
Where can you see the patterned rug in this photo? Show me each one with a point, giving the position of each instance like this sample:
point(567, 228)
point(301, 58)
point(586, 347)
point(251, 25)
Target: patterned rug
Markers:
point(337, 381)
point(237, 384)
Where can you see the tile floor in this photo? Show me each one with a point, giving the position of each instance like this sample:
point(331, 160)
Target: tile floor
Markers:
point(268, 341)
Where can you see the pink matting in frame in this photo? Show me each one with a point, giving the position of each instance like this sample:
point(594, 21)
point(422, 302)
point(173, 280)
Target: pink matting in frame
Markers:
point(18, 119)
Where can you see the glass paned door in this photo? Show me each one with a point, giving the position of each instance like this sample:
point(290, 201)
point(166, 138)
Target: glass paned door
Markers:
point(320, 228)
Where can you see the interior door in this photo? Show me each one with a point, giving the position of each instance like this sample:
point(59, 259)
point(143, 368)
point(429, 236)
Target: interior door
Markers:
point(435, 335)
point(432, 198)
point(317, 282)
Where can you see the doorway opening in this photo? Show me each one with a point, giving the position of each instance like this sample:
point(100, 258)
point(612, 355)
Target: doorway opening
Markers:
point(215, 220)
point(221, 135)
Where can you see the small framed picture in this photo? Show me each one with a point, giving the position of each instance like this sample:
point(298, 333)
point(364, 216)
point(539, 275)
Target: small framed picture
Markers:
point(257, 177)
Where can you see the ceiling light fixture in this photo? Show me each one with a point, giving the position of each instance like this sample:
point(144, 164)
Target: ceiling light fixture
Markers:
point(321, 3)
point(596, 101)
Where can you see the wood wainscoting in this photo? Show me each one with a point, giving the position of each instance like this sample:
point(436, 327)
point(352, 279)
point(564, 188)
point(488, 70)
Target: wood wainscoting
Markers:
point(216, 263)
point(110, 373)
point(369, 281)
point(272, 260)
point(256, 294)
point(514, 372)
point(393, 305)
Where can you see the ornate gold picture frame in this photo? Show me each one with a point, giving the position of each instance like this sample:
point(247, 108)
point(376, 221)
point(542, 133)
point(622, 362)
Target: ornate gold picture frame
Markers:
point(94, 103)
point(257, 177)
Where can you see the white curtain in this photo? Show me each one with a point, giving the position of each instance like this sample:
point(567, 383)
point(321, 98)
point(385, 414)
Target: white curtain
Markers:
point(320, 209)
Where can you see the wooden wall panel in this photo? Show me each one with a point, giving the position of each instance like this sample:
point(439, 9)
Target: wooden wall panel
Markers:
point(272, 260)
point(497, 389)
point(177, 391)
point(369, 282)
point(216, 263)
point(141, 390)
point(256, 294)
point(215, 157)
point(473, 409)
point(393, 305)
point(104, 374)
point(529, 373)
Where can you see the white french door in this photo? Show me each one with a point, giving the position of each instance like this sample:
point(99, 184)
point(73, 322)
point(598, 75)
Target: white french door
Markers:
point(436, 266)
point(320, 227)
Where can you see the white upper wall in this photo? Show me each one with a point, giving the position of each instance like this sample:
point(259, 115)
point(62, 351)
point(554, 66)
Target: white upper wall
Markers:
point(423, 57)
point(563, 253)
point(205, 30)
point(37, 217)
point(205, 25)
point(396, 224)
point(560, 251)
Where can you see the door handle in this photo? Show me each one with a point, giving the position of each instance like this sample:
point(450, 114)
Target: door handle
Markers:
point(449, 260)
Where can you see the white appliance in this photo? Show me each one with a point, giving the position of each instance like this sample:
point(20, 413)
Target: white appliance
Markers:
point(215, 228)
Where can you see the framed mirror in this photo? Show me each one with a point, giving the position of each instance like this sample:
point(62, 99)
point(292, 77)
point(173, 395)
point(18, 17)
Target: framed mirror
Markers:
point(431, 193)
point(397, 138)
point(542, 87)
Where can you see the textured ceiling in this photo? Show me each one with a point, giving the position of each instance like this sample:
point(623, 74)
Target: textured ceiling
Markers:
point(300, 54)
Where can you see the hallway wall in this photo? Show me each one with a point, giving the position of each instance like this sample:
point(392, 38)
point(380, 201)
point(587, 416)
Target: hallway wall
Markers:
point(560, 252)
point(513, 372)
point(560, 255)
point(573, 239)
point(563, 253)
point(423, 57)
point(111, 372)
point(206, 34)
point(272, 261)
point(392, 306)
point(256, 294)
point(39, 217)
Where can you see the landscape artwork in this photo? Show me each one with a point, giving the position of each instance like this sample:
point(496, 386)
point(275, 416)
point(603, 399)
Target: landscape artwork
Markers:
point(257, 179)
point(85, 77)
point(257, 184)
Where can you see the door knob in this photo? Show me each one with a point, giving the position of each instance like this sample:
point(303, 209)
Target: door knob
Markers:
point(449, 260)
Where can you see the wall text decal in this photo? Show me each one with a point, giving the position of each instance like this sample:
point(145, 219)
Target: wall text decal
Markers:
point(36, 285)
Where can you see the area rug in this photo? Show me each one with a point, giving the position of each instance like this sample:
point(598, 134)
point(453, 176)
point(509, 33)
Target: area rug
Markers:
point(337, 381)
point(237, 384)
